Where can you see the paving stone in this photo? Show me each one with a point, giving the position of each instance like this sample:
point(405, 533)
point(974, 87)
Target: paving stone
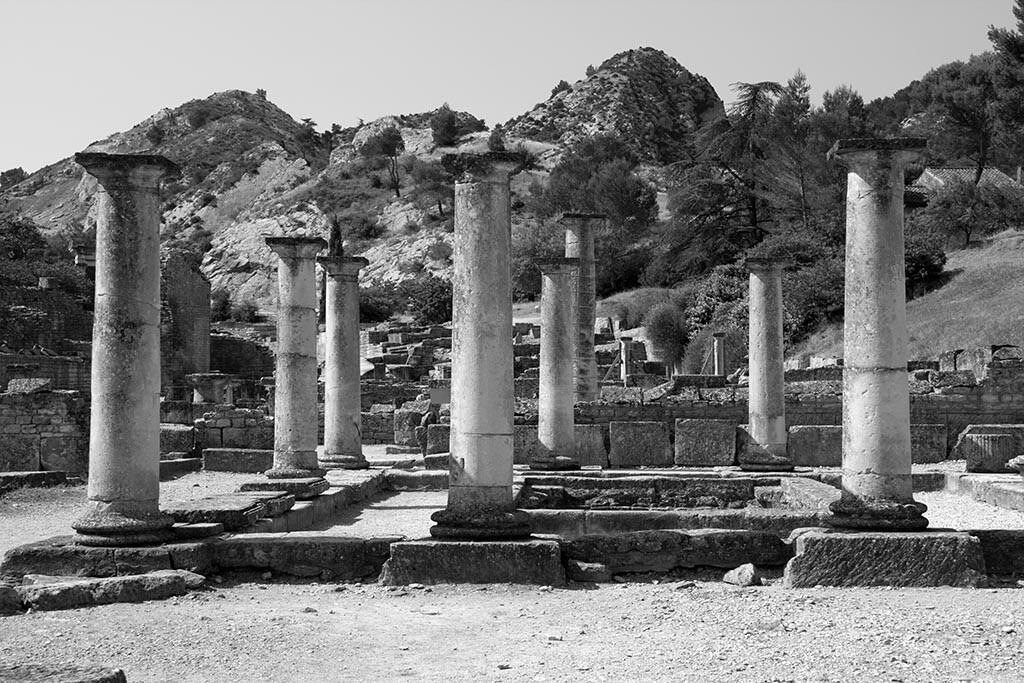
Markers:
point(157, 585)
point(808, 494)
point(639, 443)
point(431, 562)
point(33, 673)
point(233, 512)
point(922, 558)
point(237, 460)
point(705, 443)
point(303, 489)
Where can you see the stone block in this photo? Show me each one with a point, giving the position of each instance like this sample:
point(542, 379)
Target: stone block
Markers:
point(985, 454)
point(29, 385)
point(1003, 550)
point(431, 562)
point(667, 549)
point(234, 513)
point(303, 489)
point(591, 445)
point(921, 558)
point(525, 444)
point(237, 460)
point(807, 494)
point(619, 394)
point(438, 438)
point(639, 443)
point(31, 673)
point(406, 422)
point(928, 443)
point(176, 438)
point(73, 593)
point(16, 480)
point(816, 445)
point(20, 453)
point(303, 554)
point(705, 443)
point(66, 453)
point(416, 480)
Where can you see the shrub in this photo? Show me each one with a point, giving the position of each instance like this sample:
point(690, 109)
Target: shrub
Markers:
point(445, 127)
point(429, 299)
point(377, 304)
point(155, 135)
point(667, 329)
point(245, 312)
point(220, 305)
point(561, 86)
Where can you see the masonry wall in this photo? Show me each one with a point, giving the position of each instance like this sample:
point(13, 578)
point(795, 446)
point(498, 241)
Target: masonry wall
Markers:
point(70, 373)
point(239, 356)
point(47, 430)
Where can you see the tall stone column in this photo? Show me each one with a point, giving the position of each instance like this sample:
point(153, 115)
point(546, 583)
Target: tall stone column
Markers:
point(295, 391)
point(124, 431)
point(558, 337)
point(343, 444)
point(719, 353)
point(877, 490)
point(764, 446)
point(625, 358)
point(579, 244)
point(480, 503)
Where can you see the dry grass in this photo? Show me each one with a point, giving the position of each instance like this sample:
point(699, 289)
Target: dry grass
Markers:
point(982, 304)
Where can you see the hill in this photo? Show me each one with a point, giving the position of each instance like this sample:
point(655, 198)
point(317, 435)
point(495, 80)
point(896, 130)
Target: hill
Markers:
point(981, 304)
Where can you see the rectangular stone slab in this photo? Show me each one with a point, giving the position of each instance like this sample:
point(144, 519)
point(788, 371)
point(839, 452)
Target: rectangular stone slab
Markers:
point(302, 489)
point(237, 460)
point(705, 443)
point(233, 512)
point(276, 502)
point(826, 557)
point(430, 562)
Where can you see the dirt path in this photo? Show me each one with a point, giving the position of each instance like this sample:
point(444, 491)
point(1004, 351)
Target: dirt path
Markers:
point(640, 632)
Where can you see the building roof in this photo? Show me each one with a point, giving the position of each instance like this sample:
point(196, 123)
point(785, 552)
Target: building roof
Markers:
point(935, 177)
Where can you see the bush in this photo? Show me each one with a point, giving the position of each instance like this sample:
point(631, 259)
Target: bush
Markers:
point(667, 329)
point(445, 127)
point(245, 312)
point(561, 86)
point(220, 305)
point(631, 307)
point(377, 304)
point(429, 299)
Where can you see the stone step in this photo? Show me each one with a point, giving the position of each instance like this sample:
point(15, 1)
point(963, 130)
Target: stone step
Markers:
point(177, 438)
point(416, 480)
point(277, 502)
point(237, 460)
point(16, 480)
point(303, 488)
point(534, 562)
point(234, 512)
point(175, 467)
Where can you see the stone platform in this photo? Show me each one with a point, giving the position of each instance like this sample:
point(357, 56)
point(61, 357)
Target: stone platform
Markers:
point(825, 557)
point(429, 562)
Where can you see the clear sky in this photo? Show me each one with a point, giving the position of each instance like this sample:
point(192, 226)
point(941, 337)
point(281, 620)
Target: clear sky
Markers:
point(77, 70)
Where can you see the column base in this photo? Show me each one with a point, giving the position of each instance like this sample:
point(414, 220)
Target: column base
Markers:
point(884, 515)
point(106, 525)
point(771, 464)
point(341, 461)
point(468, 524)
point(559, 462)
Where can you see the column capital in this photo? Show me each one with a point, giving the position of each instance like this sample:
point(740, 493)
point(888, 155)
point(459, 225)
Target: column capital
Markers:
point(558, 265)
point(295, 246)
point(133, 170)
point(855, 152)
point(766, 264)
point(340, 266)
point(490, 166)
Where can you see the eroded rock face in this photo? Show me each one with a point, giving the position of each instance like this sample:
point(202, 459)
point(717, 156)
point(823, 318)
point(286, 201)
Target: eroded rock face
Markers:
point(642, 96)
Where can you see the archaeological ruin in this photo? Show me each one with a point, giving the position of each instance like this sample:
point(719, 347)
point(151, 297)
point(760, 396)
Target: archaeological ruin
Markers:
point(553, 453)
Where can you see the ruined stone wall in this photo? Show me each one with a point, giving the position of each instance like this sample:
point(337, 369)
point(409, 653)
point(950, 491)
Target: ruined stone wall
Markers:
point(70, 373)
point(44, 317)
point(225, 426)
point(184, 320)
point(239, 356)
point(46, 430)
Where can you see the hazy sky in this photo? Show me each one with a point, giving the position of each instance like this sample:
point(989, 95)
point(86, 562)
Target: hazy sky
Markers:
point(76, 70)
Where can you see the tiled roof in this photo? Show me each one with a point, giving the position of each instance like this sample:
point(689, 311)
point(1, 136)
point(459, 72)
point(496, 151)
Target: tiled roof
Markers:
point(935, 177)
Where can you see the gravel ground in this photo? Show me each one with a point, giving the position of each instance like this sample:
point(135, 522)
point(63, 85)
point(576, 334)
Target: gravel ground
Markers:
point(702, 630)
point(952, 511)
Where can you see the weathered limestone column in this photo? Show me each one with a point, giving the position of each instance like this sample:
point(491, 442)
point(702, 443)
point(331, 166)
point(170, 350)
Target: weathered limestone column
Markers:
point(124, 431)
point(343, 444)
point(579, 244)
point(877, 491)
point(558, 337)
point(480, 503)
point(764, 447)
point(625, 357)
point(295, 399)
point(719, 353)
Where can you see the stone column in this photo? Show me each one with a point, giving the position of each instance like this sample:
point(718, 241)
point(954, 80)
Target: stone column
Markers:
point(343, 444)
point(480, 503)
point(764, 446)
point(124, 431)
point(295, 391)
point(625, 357)
point(719, 353)
point(558, 337)
point(579, 244)
point(877, 491)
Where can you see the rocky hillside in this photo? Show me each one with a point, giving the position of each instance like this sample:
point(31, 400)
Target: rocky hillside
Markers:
point(642, 96)
point(251, 169)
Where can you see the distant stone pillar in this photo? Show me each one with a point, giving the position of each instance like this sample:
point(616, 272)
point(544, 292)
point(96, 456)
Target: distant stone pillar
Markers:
point(124, 432)
point(295, 402)
point(480, 502)
point(765, 443)
point(343, 444)
point(877, 491)
point(625, 357)
point(579, 244)
point(719, 353)
point(558, 336)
